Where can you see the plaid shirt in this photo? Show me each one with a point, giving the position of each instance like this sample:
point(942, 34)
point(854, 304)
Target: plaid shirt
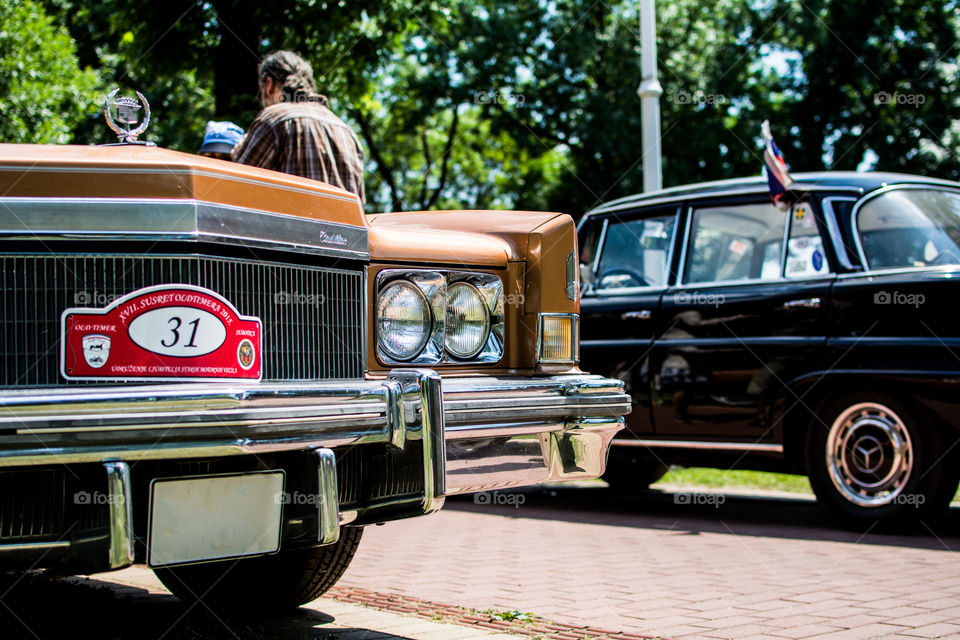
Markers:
point(304, 139)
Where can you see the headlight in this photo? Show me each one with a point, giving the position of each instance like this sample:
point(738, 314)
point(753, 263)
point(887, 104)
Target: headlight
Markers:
point(403, 320)
point(467, 321)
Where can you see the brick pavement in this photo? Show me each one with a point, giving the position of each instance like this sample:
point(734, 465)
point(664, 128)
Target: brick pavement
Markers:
point(747, 569)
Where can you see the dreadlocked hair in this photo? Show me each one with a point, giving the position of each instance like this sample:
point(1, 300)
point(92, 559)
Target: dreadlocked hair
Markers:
point(294, 75)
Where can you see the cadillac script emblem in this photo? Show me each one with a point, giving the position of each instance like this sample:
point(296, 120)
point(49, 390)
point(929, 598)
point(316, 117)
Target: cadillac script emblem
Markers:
point(122, 117)
point(96, 349)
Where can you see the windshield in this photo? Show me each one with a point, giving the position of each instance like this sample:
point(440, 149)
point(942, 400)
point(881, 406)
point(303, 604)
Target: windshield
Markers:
point(911, 228)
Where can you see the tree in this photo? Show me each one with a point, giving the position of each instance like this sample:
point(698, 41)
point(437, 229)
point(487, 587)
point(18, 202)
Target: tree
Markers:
point(561, 78)
point(868, 76)
point(44, 93)
point(533, 104)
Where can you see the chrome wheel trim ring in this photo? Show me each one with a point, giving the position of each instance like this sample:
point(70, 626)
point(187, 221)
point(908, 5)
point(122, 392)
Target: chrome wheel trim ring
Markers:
point(865, 438)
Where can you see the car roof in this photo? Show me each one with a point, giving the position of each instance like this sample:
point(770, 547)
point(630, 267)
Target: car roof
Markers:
point(863, 182)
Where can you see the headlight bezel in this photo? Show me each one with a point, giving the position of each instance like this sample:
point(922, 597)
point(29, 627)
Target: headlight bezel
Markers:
point(434, 284)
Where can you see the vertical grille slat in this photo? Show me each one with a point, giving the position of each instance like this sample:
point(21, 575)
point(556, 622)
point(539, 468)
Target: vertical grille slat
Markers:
point(302, 340)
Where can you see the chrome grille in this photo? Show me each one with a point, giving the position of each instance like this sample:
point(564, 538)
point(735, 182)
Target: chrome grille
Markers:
point(312, 316)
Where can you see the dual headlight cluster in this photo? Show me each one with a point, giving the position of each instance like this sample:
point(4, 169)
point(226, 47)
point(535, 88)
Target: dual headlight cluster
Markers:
point(429, 317)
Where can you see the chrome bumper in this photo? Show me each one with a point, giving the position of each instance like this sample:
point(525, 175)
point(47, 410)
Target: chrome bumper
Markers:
point(499, 431)
point(506, 432)
point(476, 433)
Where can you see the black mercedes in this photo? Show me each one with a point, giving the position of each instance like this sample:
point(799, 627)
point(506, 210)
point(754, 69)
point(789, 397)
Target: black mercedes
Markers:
point(817, 337)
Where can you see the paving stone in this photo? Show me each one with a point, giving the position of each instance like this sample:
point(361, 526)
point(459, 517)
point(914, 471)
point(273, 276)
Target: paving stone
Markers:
point(932, 630)
point(674, 575)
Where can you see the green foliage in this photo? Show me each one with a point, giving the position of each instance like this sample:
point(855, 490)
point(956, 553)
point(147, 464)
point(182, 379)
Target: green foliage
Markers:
point(513, 615)
point(44, 93)
point(878, 76)
point(531, 103)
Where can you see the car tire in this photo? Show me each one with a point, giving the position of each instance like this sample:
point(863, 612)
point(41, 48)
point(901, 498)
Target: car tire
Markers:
point(252, 586)
point(633, 473)
point(874, 460)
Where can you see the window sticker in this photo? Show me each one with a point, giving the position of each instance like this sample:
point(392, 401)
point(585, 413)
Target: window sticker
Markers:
point(817, 260)
point(803, 216)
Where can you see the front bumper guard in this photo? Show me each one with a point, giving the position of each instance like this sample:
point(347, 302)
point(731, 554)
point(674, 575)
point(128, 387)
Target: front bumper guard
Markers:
point(477, 434)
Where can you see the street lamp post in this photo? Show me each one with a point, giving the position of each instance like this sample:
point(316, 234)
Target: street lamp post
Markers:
point(650, 92)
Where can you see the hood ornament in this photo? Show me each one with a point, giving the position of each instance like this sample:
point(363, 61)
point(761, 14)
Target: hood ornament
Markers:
point(125, 122)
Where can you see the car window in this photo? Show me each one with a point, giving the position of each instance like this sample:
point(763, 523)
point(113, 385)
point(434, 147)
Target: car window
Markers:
point(805, 256)
point(741, 242)
point(910, 228)
point(635, 253)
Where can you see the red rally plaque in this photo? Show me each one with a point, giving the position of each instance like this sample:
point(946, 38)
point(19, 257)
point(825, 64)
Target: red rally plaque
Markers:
point(168, 331)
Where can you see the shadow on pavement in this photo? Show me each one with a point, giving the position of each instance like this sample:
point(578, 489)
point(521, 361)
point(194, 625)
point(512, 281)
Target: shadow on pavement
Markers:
point(687, 511)
point(36, 606)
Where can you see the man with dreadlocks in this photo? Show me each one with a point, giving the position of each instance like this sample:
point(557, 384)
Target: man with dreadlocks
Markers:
point(296, 132)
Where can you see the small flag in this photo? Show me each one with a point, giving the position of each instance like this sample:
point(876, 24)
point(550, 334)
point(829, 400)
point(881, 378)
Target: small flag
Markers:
point(778, 179)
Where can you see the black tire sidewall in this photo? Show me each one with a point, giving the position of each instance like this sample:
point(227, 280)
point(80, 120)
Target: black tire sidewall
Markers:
point(250, 587)
point(633, 473)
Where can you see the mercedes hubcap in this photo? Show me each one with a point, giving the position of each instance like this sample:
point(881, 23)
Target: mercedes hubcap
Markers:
point(869, 455)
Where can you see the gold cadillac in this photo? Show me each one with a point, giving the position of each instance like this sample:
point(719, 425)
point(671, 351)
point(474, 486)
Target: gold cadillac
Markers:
point(225, 372)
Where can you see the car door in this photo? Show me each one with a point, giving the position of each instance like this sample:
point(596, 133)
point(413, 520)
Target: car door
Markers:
point(625, 261)
point(747, 315)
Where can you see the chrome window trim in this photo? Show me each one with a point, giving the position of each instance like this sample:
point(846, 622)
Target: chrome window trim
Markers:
point(687, 230)
point(752, 281)
point(177, 219)
point(626, 291)
point(689, 196)
point(681, 276)
point(946, 268)
point(786, 241)
point(833, 228)
point(600, 245)
point(855, 215)
point(787, 224)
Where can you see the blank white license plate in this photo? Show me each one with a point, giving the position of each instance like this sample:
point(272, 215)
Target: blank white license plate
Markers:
point(216, 517)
